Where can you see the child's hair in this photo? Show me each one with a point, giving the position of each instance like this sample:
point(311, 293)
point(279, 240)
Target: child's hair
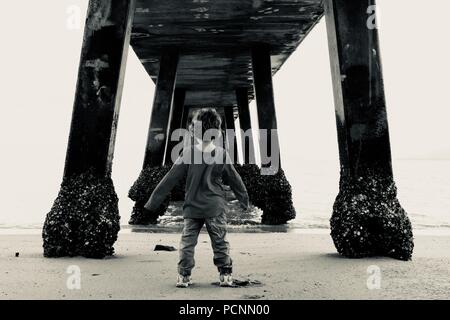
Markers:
point(209, 118)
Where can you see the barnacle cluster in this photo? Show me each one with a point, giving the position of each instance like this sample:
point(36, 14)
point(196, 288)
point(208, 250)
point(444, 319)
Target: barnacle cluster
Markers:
point(141, 191)
point(368, 220)
point(84, 219)
point(271, 193)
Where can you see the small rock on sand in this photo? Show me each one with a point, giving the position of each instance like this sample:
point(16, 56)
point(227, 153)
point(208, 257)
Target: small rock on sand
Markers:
point(160, 247)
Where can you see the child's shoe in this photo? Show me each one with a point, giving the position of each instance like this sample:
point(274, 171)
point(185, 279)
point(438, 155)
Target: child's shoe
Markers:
point(226, 280)
point(183, 281)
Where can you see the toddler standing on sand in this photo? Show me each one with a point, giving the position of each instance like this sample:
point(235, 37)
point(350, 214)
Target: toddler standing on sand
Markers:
point(205, 163)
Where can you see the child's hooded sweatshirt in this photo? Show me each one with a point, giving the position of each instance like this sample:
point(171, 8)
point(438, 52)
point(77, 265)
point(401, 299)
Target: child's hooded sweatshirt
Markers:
point(205, 195)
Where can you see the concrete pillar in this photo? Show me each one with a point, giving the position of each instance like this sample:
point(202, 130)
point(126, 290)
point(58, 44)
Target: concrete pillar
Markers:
point(367, 200)
point(99, 88)
point(175, 121)
point(84, 219)
point(248, 147)
point(231, 133)
point(358, 87)
point(159, 122)
point(262, 74)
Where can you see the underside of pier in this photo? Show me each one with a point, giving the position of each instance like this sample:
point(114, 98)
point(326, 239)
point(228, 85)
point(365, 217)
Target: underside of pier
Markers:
point(215, 39)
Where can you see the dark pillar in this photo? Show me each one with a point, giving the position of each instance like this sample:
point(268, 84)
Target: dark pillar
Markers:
point(84, 219)
point(185, 116)
point(231, 133)
point(157, 134)
point(278, 207)
point(262, 74)
point(175, 121)
point(248, 147)
point(153, 170)
point(367, 219)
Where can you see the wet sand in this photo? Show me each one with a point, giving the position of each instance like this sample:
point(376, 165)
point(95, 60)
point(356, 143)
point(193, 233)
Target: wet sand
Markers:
point(287, 265)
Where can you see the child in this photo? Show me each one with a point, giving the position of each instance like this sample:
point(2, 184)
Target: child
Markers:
point(205, 196)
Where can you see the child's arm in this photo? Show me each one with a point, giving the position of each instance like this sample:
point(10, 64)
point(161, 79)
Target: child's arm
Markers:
point(236, 184)
point(166, 185)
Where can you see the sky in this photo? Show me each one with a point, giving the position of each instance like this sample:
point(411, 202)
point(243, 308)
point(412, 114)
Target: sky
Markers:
point(41, 45)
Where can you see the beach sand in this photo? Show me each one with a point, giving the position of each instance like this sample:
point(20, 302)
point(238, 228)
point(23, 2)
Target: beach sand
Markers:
point(288, 265)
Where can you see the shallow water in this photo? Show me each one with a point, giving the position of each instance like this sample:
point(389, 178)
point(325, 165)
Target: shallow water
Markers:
point(423, 190)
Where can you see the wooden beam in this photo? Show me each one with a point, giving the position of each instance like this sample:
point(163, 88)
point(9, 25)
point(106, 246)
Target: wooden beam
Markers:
point(165, 86)
point(262, 75)
point(99, 88)
point(175, 121)
point(231, 129)
point(248, 147)
point(358, 86)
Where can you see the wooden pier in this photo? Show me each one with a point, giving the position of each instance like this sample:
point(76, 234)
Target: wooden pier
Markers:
point(223, 54)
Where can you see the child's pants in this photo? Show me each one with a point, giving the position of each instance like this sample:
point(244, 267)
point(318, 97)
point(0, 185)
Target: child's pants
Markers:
point(216, 227)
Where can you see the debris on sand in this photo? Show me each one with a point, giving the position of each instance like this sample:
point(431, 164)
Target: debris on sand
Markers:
point(160, 247)
point(242, 283)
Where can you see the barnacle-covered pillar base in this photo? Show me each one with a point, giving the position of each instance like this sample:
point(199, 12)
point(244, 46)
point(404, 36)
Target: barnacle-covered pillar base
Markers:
point(270, 193)
point(84, 220)
point(141, 191)
point(368, 220)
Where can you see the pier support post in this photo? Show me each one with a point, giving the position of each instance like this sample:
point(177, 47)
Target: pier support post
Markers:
point(153, 170)
point(231, 133)
point(276, 201)
point(84, 219)
point(367, 218)
point(175, 121)
point(248, 148)
point(262, 73)
point(185, 116)
point(164, 92)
